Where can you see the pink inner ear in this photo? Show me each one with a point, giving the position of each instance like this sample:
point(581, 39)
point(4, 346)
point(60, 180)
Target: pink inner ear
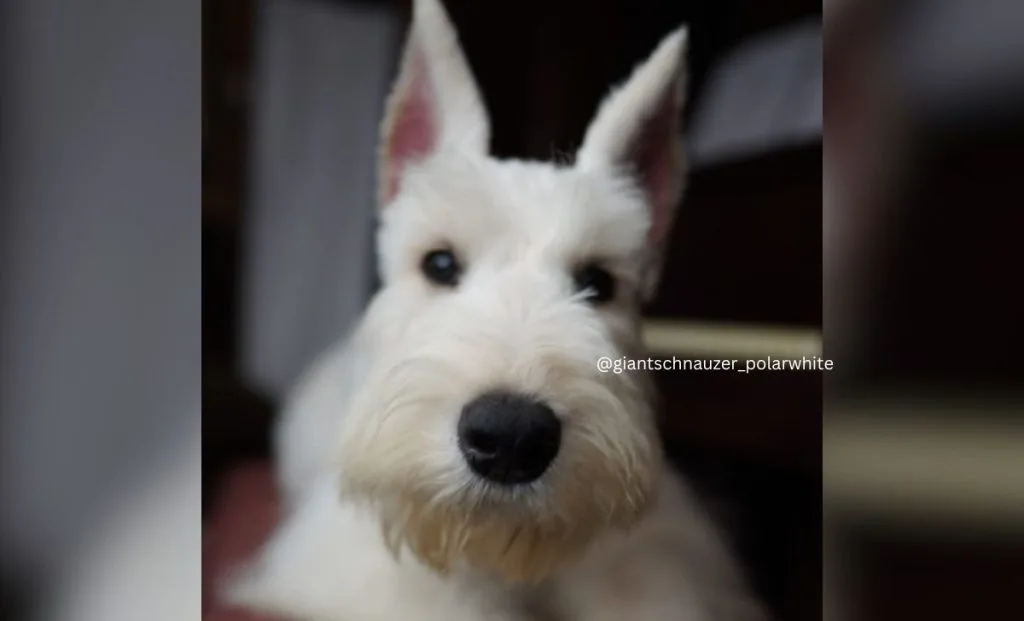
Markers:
point(655, 160)
point(413, 131)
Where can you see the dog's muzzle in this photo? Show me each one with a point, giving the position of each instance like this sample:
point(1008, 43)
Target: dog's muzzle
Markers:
point(507, 438)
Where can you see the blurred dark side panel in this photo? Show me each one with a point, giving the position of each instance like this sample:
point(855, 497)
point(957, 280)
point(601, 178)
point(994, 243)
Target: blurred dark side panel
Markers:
point(914, 579)
point(925, 426)
point(961, 209)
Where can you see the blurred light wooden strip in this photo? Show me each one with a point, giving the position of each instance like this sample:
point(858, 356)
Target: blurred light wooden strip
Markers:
point(944, 470)
point(730, 340)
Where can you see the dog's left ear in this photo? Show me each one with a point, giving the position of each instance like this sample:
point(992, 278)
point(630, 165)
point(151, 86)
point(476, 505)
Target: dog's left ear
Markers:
point(434, 105)
point(636, 131)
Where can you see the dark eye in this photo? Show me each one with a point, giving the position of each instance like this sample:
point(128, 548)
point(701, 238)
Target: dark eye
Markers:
point(441, 268)
point(597, 281)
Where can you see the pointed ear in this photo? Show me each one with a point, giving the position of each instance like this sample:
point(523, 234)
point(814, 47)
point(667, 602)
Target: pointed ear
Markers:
point(435, 103)
point(636, 131)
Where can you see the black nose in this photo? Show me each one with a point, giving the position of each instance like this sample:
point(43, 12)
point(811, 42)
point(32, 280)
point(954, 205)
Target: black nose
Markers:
point(507, 438)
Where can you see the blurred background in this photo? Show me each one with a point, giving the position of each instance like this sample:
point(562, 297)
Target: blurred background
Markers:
point(923, 431)
point(100, 256)
point(293, 96)
point(889, 248)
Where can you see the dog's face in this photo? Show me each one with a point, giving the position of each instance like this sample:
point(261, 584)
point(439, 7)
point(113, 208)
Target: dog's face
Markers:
point(484, 432)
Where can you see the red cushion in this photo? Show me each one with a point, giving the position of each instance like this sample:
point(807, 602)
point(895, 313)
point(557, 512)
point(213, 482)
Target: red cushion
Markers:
point(243, 516)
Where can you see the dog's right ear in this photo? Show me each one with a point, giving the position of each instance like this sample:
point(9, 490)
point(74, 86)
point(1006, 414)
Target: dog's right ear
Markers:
point(435, 103)
point(636, 131)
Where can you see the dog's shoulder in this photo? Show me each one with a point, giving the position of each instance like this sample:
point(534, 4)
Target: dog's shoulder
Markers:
point(308, 421)
point(327, 560)
point(675, 564)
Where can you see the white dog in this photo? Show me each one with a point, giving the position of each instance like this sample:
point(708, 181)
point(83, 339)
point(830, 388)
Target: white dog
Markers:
point(461, 458)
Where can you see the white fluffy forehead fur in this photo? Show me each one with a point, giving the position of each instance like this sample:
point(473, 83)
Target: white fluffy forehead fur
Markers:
point(495, 214)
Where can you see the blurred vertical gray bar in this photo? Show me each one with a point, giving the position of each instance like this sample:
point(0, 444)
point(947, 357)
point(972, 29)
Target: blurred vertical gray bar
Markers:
point(100, 256)
point(322, 72)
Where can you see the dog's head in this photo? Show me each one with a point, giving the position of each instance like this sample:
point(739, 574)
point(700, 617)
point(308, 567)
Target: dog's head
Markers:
point(484, 432)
